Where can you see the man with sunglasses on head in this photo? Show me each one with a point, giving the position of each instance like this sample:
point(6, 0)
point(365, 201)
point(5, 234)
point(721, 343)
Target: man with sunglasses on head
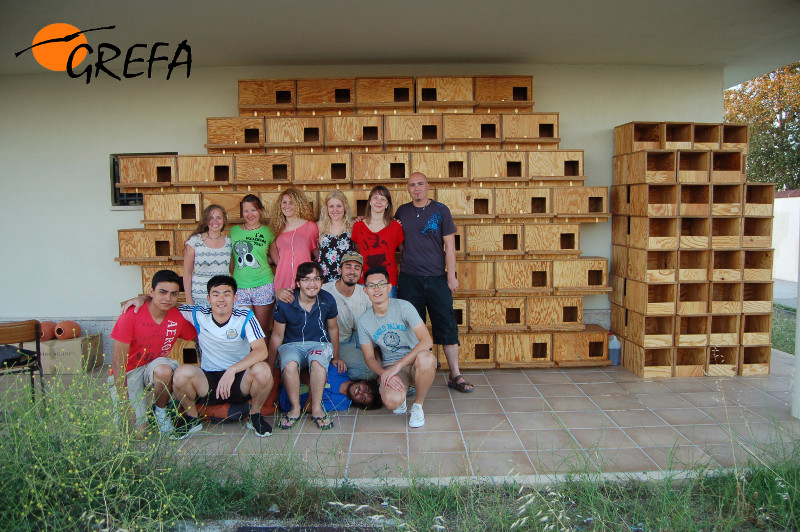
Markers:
point(395, 326)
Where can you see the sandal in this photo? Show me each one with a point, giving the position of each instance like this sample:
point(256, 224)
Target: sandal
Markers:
point(288, 422)
point(459, 383)
point(321, 422)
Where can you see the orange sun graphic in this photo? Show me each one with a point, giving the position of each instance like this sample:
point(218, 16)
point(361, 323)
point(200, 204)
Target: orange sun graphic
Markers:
point(54, 55)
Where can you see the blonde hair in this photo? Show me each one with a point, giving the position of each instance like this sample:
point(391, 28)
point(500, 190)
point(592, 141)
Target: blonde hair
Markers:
point(301, 206)
point(325, 221)
point(202, 225)
point(387, 214)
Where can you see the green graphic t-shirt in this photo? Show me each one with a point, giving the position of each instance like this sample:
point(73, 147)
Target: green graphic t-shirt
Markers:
point(250, 252)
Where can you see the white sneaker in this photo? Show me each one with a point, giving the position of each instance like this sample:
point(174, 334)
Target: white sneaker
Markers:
point(417, 418)
point(163, 420)
point(402, 409)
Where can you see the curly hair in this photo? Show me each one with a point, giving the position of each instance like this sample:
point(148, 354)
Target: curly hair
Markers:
point(202, 225)
point(301, 205)
point(324, 222)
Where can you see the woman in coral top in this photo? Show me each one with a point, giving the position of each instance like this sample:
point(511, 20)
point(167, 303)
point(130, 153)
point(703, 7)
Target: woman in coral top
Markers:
point(298, 237)
point(378, 235)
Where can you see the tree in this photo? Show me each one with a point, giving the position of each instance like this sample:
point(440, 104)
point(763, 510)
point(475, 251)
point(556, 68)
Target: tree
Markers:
point(771, 105)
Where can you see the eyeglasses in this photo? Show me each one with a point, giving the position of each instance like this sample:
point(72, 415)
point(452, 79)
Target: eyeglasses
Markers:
point(310, 279)
point(373, 286)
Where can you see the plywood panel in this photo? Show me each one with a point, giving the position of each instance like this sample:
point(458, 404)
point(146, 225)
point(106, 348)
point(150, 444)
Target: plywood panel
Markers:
point(524, 350)
point(235, 130)
point(652, 166)
point(371, 167)
point(267, 96)
point(585, 274)
point(653, 200)
point(453, 165)
point(147, 171)
point(637, 136)
point(523, 276)
point(475, 277)
point(723, 361)
point(580, 200)
point(477, 351)
point(230, 201)
point(354, 130)
point(325, 93)
point(148, 244)
point(459, 128)
point(651, 331)
point(556, 163)
point(435, 91)
point(385, 95)
point(263, 169)
point(507, 90)
point(495, 239)
point(413, 129)
point(467, 201)
point(652, 300)
point(294, 131)
point(555, 313)
point(172, 207)
point(581, 348)
point(491, 165)
point(653, 233)
point(529, 126)
point(323, 168)
point(647, 363)
point(549, 239)
point(205, 169)
point(489, 314)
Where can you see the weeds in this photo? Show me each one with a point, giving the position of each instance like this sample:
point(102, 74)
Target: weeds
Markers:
point(784, 321)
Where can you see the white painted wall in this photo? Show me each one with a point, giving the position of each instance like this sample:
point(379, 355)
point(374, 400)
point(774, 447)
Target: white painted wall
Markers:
point(786, 238)
point(56, 135)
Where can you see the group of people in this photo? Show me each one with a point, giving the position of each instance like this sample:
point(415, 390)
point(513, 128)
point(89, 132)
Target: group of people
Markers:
point(343, 323)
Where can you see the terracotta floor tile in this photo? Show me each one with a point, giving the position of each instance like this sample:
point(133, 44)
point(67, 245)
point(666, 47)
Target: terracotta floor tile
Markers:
point(378, 465)
point(763, 433)
point(210, 444)
point(516, 390)
point(702, 435)
point(547, 376)
point(620, 374)
point(733, 414)
point(566, 461)
point(730, 456)
point(706, 398)
point(471, 422)
point(501, 464)
point(488, 406)
point(479, 393)
point(498, 440)
point(675, 458)
point(618, 402)
point(682, 416)
point(438, 391)
point(661, 400)
point(507, 378)
point(323, 443)
point(534, 421)
point(380, 442)
point(438, 442)
point(438, 422)
point(606, 438)
point(585, 420)
point(273, 445)
point(656, 436)
point(435, 464)
point(390, 423)
point(341, 425)
point(435, 406)
point(559, 390)
point(635, 418)
point(572, 404)
point(768, 384)
point(782, 396)
point(688, 385)
point(603, 388)
point(524, 404)
point(773, 413)
point(648, 387)
point(588, 377)
point(474, 377)
point(547, 440)
point(622, 460)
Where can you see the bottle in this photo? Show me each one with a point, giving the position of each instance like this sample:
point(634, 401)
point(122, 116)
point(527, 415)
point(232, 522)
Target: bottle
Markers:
point(614, 349)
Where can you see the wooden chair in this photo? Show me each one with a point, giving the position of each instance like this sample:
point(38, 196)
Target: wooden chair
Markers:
point(17, 333)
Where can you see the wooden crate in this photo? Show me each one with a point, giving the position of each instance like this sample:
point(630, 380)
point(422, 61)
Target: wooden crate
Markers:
point(759, 199)
point(619, 199)
point(323, 168)
point(555, 313)
point(172, 208)
point(380, 167)
point(695, 233)
point(552, 239)
point(267, 97)
point(585, 275)
point(235, 132)
point(498, 94)
point(727, 167)
point(267, 169)
point(445, 94)
point(652, 200)
point(706, 136)
point(581, 348)
point(326, 96)
point(695, 200)
point(363, 132)
point(149, 271)
point(619, 261)
point(205, 169)
point(649, 331)
point(530, 131)
point(694, 265)
point(648, 363)
point(757, 297)
point(653, 233)
point(556, 163)
point(638, 136)
point(468, 203)
point(689, 362)
point(145, 245)
point(651, 166)
point(756, 232)
point(693, 298)
point(413, 132)
point(578, 201)
point(147, 171)
point(181, 236)
point(755, 360)
point(450, 166)
point(726, 298)
point(724, 330)
point(678, 136)
point(619, 285)
point(722, 361)
point(619, 325)
point(495, 239)
point(471, 131)
point(693, 166)
point(692, 331)
point(185, 352)
point(475, 277)
point(498, 166)
point(726, 233)
point(524, 350)
point(650, 299)
point(523, 276)
point(294, 132)
point(726, 199)
point(757, 265)
point(384, 95)
point(477, 351)
point(621, 230)
point(735, 137)
point(523, 203)
point(727, 265)
point(652, 266)
point(497, 314)
point(230, 201)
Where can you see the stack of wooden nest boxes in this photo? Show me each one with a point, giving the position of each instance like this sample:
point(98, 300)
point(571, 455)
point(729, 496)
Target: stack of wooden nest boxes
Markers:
point(517, 199)
point(691, 258)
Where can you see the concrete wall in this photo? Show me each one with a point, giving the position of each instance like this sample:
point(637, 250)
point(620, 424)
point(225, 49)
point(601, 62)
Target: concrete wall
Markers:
point(786, 238)
point(57, 133)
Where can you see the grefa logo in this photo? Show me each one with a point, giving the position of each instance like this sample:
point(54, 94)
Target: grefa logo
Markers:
point(63, 47)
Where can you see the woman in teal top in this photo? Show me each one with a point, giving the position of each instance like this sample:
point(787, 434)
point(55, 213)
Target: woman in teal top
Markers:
point(249, 262)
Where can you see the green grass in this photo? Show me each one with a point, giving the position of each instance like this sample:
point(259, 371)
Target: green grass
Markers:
point(65, 466)
point(784, 321)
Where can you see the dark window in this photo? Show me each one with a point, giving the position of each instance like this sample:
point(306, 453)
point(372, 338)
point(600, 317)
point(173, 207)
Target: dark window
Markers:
point(119, 198)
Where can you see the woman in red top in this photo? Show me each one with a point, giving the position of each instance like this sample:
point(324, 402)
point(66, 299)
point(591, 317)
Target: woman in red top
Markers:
point(378, 235)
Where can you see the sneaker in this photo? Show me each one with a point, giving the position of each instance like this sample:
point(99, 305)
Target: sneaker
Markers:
point(163, 420)
point(402, 409)
point(259, 425)
point(417, 418)
point(185, 427)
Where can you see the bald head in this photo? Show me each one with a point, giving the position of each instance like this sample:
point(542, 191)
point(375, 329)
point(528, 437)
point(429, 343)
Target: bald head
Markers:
point(418, 189)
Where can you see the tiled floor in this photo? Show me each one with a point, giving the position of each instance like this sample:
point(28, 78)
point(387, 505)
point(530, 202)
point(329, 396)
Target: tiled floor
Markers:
point(540, 422)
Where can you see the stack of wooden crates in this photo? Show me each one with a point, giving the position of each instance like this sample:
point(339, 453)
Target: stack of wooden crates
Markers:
point(517, 199)
point(691, 259)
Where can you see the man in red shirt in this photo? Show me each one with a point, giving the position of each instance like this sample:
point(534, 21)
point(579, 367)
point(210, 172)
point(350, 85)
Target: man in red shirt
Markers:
point(142, 341)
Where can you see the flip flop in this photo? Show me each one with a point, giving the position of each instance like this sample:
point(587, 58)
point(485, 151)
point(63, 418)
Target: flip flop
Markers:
point(288, 422)
point(459, 383)
point(320, 421)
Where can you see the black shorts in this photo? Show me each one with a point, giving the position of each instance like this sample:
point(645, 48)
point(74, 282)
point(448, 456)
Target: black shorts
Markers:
point(213, 378)
point(431, 294)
